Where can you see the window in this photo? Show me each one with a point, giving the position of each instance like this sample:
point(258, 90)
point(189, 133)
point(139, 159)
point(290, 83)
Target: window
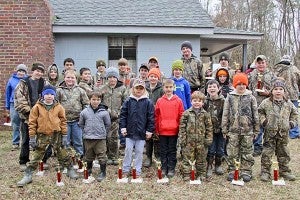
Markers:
point(122, 47)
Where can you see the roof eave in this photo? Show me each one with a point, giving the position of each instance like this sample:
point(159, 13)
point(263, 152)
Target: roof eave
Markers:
point(133, 29)
point(236, 36)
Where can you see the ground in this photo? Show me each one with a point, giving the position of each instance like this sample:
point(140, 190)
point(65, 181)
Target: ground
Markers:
point(218, 188)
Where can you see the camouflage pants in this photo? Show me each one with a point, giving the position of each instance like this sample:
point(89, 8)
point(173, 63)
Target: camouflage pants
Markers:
point(43, 141)
point(112, 141)
point(240, 147)
point(198, 153)
point(95, 149)
point(277, 145)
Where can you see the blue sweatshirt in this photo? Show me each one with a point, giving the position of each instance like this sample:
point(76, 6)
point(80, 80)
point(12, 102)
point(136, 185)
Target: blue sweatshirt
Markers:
point(10, 89)
point(183, 91)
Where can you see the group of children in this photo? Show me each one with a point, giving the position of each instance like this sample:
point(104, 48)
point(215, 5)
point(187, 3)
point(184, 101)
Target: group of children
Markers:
point(164, 115)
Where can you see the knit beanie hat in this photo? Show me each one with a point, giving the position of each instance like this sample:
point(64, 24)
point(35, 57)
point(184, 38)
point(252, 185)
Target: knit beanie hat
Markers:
point(22, 67)
point(154, 71)
point(112, 71)
point(240, 78)
point(278, 82)
point(177, 64)
point(224, 56)
point(187, 44)
point(39, 66)
point(222, 72)
point(49, 89)
point(100, 63)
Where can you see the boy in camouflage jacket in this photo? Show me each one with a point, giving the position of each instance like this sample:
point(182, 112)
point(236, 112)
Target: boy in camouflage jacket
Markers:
point(74, 99)
point(114, 94)
point(240, 124)
point(195, 136)
point(277, 115)
point(214, 105)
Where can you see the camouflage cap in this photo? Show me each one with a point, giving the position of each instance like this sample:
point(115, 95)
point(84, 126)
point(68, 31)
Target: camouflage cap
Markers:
point(100, 63)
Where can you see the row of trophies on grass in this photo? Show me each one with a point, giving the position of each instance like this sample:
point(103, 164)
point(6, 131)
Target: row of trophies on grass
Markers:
point(82, 168)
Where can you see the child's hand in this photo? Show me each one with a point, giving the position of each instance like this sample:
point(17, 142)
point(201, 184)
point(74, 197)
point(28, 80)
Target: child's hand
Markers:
point(148, 135)
point(124, 131)
point(32, 142)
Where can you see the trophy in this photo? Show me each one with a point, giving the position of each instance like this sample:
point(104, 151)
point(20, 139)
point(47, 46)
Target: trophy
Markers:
point(41, 169)
point(58, 177)
point(134, 178)
point(86, 178)
point(7, 121)
point(160, 179)
point(236, 180)
point(120, 175)
point(276, 181)
point(192, 175)
point(80, 165)
point(259, 86)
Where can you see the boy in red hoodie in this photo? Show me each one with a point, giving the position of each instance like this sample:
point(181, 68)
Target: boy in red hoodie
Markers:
point(168, 110)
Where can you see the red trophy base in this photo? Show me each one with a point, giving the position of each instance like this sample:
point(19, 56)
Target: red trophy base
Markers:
point(58, 181)
point(236, 180)
point(276, 181)
point(134, 178)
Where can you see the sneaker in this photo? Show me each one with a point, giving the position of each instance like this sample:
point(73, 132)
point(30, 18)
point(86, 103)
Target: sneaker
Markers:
point(289, 177)
point(246, 177)
point(23, 167)
point(147, 162)
point(171, 173)
point(230, 177)
point(265, 177)
point(15, 147)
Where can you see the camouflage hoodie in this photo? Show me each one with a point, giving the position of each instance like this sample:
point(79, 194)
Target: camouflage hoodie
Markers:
point(73, 99)
point(23, 98)
point(291, 75)
point(113, 98)
point(193, 72)
point(215, 108)
point(195, 128)
point(155, 93)
point(276, 116)
point(240, 115)
point(266, 83)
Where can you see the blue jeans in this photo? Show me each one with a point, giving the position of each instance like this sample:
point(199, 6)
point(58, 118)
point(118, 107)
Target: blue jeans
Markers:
point(257, 142)
point(294, 132)
point(75, 137)
point(217, 146)
point(15, 122)
point(138, 146)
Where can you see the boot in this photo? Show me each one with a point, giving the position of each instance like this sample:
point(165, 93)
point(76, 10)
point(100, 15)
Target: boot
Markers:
point(148, 162)
point(89, 166)
point(209, 167)
point(218, 166)
point(26, 179)
point(71, 173)
point(102, 174)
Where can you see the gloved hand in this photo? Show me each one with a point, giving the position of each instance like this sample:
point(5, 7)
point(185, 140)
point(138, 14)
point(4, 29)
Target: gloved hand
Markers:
point(32, 142)
point(65, 140)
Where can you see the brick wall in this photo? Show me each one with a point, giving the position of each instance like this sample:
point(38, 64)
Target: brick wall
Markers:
point(25, 37)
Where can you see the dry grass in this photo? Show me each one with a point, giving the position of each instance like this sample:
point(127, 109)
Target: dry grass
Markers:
point(218, 188)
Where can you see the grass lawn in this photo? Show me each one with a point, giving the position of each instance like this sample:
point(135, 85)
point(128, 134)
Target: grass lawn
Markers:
point(218, 188)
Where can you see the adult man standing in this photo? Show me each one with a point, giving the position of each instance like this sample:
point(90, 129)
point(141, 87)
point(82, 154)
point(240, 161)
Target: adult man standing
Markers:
point(192, 71)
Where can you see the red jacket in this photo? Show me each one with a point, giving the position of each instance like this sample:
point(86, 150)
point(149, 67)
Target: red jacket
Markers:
point(167, 115)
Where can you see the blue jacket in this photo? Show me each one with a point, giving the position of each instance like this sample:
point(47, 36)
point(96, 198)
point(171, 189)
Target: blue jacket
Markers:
point(183, 91)
point(137, 116)
point(10, 89)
